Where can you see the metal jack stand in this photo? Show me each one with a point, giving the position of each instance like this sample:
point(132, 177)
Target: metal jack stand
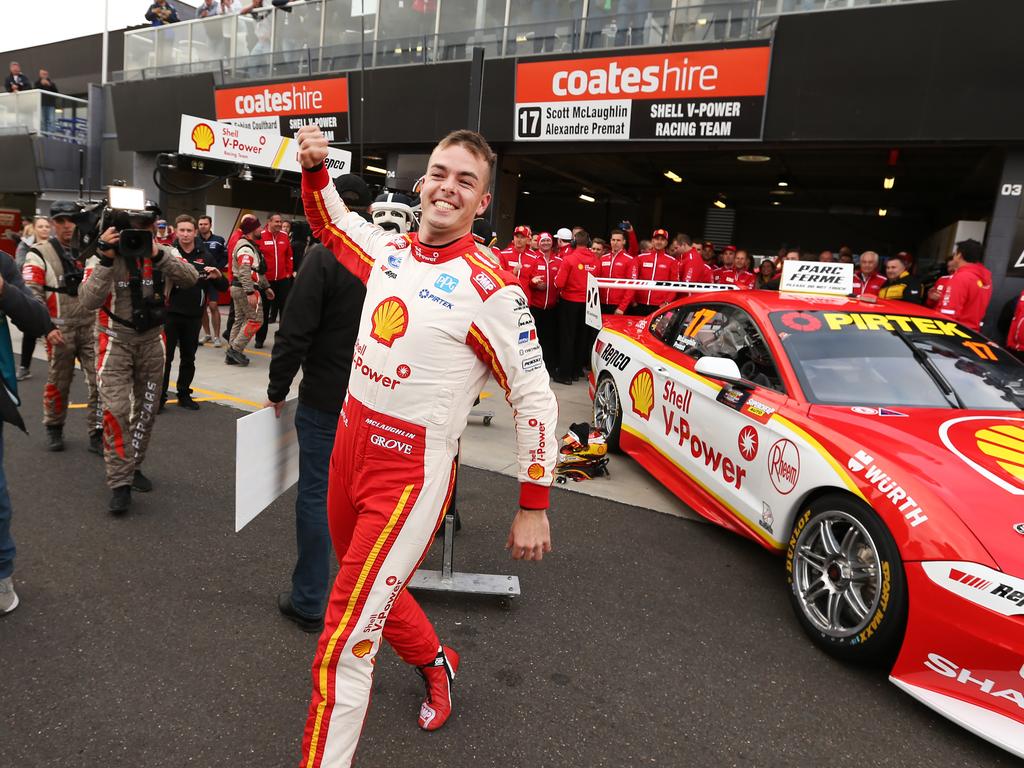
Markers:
point(449, 580)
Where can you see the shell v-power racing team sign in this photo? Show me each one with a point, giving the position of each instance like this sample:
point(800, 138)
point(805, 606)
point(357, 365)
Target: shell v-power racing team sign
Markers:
point(688, 94)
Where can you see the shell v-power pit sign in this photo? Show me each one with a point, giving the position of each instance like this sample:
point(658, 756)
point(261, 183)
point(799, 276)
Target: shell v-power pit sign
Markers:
point(681, 94)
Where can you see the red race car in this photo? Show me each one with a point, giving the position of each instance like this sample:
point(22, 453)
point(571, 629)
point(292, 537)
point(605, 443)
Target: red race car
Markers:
point(879, 447)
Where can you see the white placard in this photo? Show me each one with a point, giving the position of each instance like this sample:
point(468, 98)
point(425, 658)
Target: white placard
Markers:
point(593, 303)
point(835, 278)
point(223, 141)
point(266, 460)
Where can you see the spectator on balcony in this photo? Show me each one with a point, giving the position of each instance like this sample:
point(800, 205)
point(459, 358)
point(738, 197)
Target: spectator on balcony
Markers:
point(44, 83)
point(228, 7)
point(208, 8)
point(16, 81)
point(161, 12)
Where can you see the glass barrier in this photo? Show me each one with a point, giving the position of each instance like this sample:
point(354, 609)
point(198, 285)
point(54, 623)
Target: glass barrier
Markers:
point(314, 36)
point(51, 114)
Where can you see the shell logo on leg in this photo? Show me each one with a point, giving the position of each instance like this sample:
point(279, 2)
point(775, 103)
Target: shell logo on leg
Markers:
point(363, 647)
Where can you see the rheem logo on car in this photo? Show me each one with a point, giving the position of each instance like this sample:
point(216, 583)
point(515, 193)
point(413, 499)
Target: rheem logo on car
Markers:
point(696, 94)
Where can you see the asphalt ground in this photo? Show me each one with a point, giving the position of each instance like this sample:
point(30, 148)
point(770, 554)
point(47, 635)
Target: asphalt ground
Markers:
point(154, 640)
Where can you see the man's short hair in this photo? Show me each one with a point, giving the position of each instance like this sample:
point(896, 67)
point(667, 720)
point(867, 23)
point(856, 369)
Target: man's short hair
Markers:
point(184, 219)
point(683, 239)
point(618, 232)
point(598, 241)
point(475, 144)
point(272, 214)
point(204, 216)
point(970, 250)
point(582, 238)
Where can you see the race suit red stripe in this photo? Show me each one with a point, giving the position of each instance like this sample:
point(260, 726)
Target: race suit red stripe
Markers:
point(416, 372)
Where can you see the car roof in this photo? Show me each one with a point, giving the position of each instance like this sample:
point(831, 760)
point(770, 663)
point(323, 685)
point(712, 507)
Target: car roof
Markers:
point(761, 303)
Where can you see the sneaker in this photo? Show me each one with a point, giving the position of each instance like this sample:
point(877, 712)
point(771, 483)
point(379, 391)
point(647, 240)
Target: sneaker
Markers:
point(228, 358)
point(218, 343)
point(8, 597)
point(55, 438)
point(306, 623)
point(22, 374)
point(258, 345)
point(120, 500)
point(438, 676)
point(141, 483)
point(206, 339)
point(96, 442)
point(186, 402)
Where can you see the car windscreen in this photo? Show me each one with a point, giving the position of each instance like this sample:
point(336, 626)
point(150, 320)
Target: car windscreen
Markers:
point(861, 358)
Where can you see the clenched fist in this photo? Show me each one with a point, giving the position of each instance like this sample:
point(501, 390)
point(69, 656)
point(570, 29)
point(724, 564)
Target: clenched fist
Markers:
point(312, 146)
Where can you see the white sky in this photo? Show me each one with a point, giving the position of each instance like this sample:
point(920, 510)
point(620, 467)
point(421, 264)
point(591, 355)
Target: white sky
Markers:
point(27, 23)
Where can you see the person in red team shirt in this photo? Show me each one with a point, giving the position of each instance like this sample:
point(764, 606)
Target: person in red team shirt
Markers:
point(726, 274)
point(573, 331)
point(1015, 338)
point(620, 265)
point(743, 277)
point(694, 268)
point(867, 281)
point(537, 276)
point(512, 257)
point(276, 249)
point(655, 264)
point(970, 290)
point(939, 288)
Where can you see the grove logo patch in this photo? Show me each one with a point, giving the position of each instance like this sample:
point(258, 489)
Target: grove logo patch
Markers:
point(389, 321)
point(641, 392)
point(990, 445)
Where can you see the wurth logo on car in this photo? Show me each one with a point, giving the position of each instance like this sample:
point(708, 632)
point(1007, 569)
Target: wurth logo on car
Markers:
point(864, 463)
point(979, 584)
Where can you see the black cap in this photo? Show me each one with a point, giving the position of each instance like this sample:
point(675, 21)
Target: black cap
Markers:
point(64, 208)
point(353, 190)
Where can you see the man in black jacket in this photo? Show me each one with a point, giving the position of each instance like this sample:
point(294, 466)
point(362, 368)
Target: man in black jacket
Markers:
point(185, 310)
point(32, 317)
point(318, 331)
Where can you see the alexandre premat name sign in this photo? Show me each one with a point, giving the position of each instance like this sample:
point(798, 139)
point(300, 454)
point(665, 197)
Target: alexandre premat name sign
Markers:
point(693, 94)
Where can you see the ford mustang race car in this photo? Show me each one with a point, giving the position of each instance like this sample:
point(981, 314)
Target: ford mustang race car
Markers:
point(878, 447)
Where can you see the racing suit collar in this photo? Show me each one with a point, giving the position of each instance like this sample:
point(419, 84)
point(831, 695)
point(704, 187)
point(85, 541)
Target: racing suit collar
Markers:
point(439, 254)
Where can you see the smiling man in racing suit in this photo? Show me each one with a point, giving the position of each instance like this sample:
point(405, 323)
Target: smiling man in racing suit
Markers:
point(439, 319)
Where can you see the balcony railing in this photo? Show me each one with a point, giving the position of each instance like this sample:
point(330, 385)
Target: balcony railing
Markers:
point(317, 36)
point(50, 114)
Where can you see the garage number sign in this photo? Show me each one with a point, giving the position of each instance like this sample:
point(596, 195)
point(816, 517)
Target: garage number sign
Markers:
point(682, 94)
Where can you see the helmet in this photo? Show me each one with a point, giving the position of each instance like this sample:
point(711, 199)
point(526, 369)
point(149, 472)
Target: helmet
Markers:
point(393, 211)
point(582, 442)
point(64, 209)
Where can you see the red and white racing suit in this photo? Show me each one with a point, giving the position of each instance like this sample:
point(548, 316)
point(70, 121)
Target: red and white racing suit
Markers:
point(867, 286)
point(436, 324)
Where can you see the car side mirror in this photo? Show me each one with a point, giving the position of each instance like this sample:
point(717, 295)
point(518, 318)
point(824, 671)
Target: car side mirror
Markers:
point(719, 368)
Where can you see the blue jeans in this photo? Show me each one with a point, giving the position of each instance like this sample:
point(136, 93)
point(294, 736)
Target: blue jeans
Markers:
point(6, 540)
point(316, 430)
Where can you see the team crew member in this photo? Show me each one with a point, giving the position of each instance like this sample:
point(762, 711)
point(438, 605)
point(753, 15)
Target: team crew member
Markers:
point(512, 257)
point(574, 337)
point(130, 353)
point(185, 308)
point(939, 287)
point(726, 274)
point(423, 354)
point(276, 252)
point(900, 284)
point(219, 254)
point(1015, 338)
point(744, 277)
point(565, 242)
point(537, 277)
point(246, 279)
point(54, 271)
point(618, 265)
point(656, 264)
point(970, 291)
point(867, 281)
point(318, 331)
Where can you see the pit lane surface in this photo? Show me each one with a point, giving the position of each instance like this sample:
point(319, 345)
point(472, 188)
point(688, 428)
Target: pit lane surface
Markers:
point(154, 640)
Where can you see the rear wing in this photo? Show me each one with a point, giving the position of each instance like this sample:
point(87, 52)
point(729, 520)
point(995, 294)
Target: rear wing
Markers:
point(594, 284)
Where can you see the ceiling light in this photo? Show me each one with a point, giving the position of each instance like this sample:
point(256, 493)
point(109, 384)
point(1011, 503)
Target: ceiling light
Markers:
point(781, 192)
point(882, 211)
point(701, 22)
point(776, 202)
point(782, 183)
point(673, 176)
point(889, 182)
point(526, 191)
point(753, 158)
point(374, 157)
point(586, 198)
point(375, 169)
point(719, 204)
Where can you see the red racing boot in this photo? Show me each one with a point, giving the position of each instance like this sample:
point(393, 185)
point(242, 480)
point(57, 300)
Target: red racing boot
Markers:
point(438, 676)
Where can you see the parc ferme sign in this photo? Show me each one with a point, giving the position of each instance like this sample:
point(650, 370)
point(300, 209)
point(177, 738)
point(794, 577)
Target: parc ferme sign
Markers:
point(689, 94)
point(280, 109)
point(817, 277)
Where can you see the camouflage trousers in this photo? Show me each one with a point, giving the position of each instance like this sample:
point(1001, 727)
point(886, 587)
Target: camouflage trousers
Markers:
point(247, 319)
point(129, 373)
point(79, 343)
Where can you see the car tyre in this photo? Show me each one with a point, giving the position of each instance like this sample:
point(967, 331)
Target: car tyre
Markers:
point(846, 580)
point(608, 410)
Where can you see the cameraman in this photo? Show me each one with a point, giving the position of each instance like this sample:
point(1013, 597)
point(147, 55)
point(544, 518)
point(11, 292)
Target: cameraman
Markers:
point(54, 271)
point(185, 308)
point(127, 286)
